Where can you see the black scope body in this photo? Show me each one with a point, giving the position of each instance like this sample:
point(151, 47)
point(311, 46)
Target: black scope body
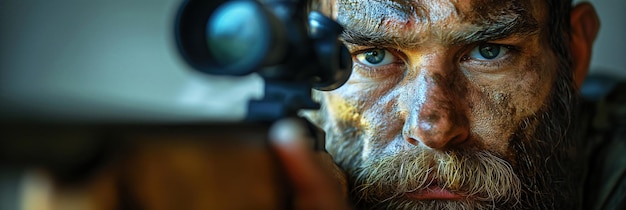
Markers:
point(274, 38)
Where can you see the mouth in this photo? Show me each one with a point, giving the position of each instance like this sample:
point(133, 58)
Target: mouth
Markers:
point(434, 192)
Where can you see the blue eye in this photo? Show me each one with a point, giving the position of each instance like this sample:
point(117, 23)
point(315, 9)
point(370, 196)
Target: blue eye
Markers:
point(375, 57)
point(488, 51)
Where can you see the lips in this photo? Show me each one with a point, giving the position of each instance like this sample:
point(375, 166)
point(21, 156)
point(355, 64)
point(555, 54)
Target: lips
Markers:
point(434, 192)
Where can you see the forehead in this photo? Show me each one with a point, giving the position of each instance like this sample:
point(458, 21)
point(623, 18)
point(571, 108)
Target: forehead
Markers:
point(440, 17)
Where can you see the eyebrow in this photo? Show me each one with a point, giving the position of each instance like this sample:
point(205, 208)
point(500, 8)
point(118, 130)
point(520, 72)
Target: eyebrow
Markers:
point(483, 31)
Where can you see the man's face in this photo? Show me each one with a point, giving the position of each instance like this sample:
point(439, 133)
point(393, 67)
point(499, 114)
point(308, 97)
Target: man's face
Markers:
point(450, 104)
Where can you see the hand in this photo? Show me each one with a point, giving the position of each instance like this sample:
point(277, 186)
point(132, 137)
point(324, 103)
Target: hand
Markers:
point(317, 182)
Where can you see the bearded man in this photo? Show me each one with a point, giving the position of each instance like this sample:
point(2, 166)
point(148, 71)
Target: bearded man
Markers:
point(455, 105)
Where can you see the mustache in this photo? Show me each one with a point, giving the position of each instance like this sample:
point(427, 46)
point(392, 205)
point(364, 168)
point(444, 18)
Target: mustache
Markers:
point(480, 175)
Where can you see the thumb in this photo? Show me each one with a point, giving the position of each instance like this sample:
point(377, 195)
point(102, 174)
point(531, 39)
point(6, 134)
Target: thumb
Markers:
point(313, 184)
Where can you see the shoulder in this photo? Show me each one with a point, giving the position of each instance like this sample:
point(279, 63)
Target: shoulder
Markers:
point(605, 101)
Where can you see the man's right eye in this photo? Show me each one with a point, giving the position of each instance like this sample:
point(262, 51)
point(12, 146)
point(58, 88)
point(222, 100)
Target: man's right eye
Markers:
point(375, 57)
point(487, 51)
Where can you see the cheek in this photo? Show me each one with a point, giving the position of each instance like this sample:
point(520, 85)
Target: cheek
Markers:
point(369, 109)
point(341, 113)
point(530, 93)
point(499, 107)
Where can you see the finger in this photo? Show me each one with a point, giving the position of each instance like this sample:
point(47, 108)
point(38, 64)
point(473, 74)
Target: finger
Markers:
point(313, 184)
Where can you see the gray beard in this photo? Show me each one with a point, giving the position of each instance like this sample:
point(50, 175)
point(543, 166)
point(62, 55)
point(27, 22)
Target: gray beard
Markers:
point(545, 172)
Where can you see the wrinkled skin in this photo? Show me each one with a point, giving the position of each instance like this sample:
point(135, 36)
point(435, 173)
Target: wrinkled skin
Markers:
point(461, 97)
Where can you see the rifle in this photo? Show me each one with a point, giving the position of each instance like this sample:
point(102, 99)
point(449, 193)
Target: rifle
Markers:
point(156, 117)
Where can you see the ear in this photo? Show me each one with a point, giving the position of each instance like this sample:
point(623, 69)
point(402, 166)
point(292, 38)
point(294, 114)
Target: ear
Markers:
point(584, 28)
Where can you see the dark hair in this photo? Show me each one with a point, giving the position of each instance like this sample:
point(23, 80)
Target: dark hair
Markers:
point(565, 97)
point(559, 30)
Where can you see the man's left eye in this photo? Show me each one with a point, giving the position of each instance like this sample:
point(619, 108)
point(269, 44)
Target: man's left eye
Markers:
point(375, 57)
point(488, 51)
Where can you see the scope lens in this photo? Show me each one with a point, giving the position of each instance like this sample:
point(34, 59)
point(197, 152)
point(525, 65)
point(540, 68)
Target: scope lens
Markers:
point(237, 35)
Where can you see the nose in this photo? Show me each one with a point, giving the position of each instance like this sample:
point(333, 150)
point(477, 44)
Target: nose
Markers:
point(436, 117)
